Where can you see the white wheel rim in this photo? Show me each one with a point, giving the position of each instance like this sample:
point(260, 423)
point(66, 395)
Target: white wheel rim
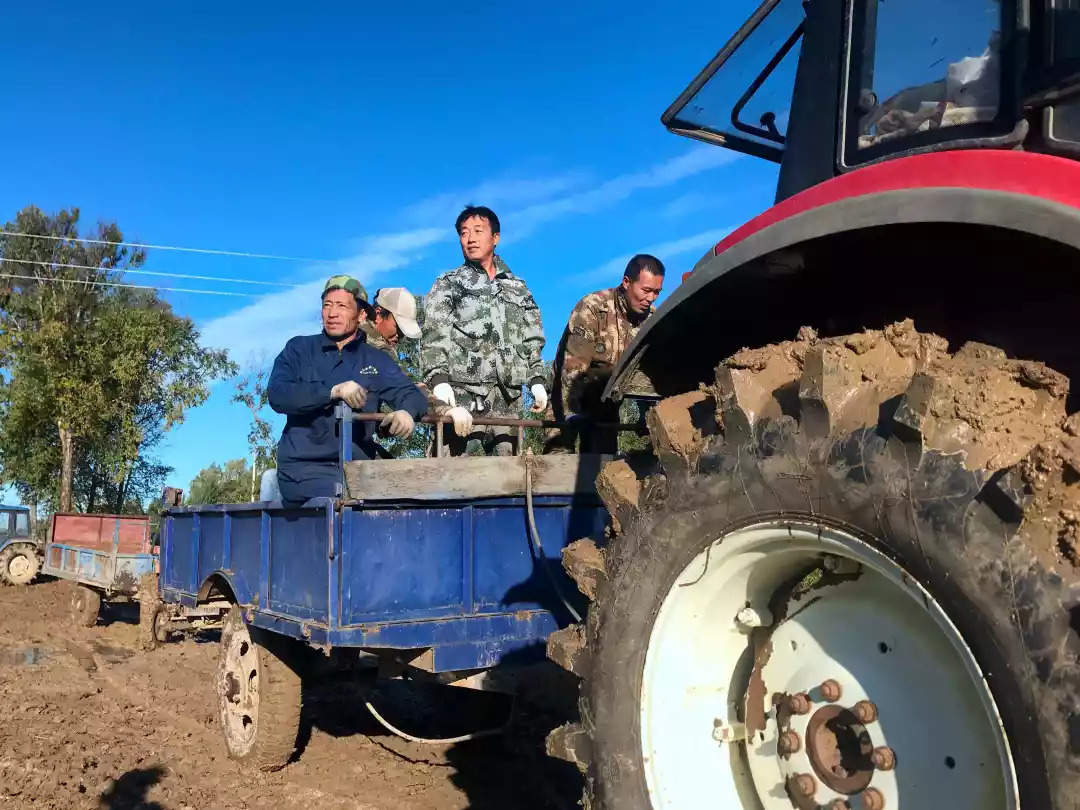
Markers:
point(239, 691)
point(19, 566)
point(935, 711)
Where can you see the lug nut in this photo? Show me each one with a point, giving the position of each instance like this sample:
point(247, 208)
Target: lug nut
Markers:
point(865, 711)
point(831, 691)
point(800, 703)
point(789, 742)
point(805, 784)
point(883, 758)
point(873, 799)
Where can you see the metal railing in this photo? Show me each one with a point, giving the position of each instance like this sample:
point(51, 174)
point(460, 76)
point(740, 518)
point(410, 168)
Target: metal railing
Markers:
point(348, 416)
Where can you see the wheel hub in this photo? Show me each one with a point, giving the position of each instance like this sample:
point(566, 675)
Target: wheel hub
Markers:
point(813, 706)
point(19, 566)
point(839, 748)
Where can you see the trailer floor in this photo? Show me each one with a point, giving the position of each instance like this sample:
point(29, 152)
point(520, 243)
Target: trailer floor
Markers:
point(91, 721)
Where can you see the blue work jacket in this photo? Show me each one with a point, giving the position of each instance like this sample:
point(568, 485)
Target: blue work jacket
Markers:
point(299, 387)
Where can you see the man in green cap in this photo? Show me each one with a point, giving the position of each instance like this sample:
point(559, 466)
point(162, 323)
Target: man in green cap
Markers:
point(312, 374)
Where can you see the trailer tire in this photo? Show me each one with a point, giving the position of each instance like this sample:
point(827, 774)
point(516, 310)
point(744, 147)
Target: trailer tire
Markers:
point(19, 564)
point(258, 685)
point(150, 608)
point(952, 514)
point(85, 606)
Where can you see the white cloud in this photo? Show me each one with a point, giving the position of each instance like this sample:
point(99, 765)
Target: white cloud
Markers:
point(686, 204)
point(697, 160)
point(611, 271)
point(507, 191)
point(281, 315)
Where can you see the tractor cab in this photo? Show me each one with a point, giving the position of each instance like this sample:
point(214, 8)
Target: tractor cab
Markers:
point(823, 87)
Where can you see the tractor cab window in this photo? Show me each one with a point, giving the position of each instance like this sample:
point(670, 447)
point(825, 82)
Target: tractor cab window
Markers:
point(741, 100)
point(22, 524)
point(920, 69)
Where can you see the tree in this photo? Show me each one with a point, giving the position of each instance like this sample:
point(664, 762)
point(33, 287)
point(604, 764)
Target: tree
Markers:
point(217, 484)
point(251, 393)
point(95, 373)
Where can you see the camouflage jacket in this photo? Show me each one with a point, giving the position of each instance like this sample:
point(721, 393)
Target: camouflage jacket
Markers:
point(598, 332)
point(479, 332)
point(377, 341)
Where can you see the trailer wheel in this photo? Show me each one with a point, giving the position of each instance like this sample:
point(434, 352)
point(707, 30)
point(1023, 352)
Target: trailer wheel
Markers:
point(849, 598)
point(85, 606)
point(258, 688)
point(153, 618)
point(19, 564)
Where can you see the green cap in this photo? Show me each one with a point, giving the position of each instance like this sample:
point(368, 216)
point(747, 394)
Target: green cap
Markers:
point(347, 283)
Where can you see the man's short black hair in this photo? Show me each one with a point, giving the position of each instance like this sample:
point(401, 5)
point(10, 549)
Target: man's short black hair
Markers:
point(478, 211)
point(643, 261)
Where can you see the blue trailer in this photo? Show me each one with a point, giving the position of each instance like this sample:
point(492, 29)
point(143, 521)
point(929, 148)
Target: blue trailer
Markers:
point(445, 566)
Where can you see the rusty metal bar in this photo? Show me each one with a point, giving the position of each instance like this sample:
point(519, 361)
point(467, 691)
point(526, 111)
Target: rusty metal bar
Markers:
point(503, 421)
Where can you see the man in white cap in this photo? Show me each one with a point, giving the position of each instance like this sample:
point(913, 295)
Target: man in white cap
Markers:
point(395, 318)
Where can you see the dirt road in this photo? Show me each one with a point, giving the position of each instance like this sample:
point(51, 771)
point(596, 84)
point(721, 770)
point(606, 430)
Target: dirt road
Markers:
point(91, 721)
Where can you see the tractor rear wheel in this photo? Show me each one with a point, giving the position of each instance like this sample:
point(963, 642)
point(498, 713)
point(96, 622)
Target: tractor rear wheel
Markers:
point(856, 591)
point(19, 564)
point(258, 687)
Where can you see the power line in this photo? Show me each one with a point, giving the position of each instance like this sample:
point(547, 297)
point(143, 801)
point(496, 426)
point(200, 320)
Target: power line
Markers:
point(129, 286)
point(168, 247)
point(140, 271)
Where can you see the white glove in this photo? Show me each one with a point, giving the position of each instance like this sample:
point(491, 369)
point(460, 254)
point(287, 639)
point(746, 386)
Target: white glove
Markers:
point(444, 392)
point(462, 420)
point(399, 424)
point(351, 393)
point(540, 398)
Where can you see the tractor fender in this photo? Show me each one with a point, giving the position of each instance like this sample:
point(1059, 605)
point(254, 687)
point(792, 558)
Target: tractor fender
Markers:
point(1024, 193)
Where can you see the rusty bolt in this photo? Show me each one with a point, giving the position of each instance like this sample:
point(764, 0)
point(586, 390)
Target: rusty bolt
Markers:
point(873, 799)
point(805, 784)
point(799, 703)
point(883, 758)
point(865, 711)
point(831, 691)
point(789, 742)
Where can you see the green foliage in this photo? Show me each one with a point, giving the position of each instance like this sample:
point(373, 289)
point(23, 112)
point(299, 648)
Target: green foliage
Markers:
point(93, 374)
point(251, 393)
point(231, 483)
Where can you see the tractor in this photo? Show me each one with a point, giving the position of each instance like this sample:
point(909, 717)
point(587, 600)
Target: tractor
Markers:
point(847, 574)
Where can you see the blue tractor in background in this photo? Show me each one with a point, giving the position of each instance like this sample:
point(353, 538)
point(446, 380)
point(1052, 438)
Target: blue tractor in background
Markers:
point(20, 553)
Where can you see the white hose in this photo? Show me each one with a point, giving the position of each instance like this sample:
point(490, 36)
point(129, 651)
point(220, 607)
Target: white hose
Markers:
point(544, 561)
point(487, 732)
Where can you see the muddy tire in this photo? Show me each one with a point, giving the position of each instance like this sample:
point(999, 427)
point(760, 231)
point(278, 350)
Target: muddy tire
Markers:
point(945, 481)
point(152, 614)
point(19, 564)
point(258, 684)
point(85, 606)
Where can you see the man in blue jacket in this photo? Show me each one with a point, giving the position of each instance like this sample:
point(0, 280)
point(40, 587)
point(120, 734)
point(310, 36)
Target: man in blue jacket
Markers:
point(313, 373)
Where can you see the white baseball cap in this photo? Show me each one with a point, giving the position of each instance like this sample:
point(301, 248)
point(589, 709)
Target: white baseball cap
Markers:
point(400, 303)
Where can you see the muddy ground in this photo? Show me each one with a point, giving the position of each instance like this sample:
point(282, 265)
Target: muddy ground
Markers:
point(91, 721)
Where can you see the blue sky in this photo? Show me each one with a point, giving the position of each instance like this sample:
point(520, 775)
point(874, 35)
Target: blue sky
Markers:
point(354, 133)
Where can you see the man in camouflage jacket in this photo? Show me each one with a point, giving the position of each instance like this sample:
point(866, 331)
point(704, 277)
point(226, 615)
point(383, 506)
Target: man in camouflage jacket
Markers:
point(601, 326)
point(483, 336)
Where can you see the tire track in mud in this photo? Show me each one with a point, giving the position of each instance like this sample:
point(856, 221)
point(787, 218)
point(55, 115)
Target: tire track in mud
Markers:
point(91, 721)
